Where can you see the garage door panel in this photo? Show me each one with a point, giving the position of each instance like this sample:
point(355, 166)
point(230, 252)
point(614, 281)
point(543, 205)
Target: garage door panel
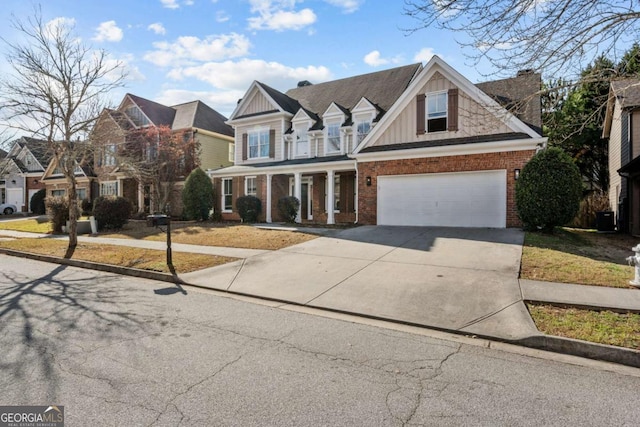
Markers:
point(469, 199)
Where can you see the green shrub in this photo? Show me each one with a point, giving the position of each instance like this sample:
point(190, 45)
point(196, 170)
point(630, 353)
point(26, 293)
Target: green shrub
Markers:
point(548, 191)
point(86, 206)
point(197, 195)
point(288, 207)
point(37, 202)
point(249, 207)
point(57, 209)
point(111, 212)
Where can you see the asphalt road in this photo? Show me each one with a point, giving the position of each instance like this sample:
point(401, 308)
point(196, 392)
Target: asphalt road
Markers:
point(121, 351)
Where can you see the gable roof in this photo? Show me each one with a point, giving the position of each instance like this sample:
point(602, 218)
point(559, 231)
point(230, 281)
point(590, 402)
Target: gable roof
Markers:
point(627, 93)
point(158, 114)
point(381, 88)
point(437, 65)
point(197, 114)
point(285, 101)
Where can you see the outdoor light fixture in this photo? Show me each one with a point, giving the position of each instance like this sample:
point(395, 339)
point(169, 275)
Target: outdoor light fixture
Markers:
point(368, 181)
point(13, 181)
point(516, 174)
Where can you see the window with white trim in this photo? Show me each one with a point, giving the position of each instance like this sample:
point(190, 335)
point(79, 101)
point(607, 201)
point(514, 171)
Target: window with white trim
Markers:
point(109, 155)
point(232, 152)
point(258, 142)
point(437, 112)
point(333, 138)
point(302, 143)
point(109, 188)
point(227, 194)
point(336, 193)
point(250, 186)
point(362, 130)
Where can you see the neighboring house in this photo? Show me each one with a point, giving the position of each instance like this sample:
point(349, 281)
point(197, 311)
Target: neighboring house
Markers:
point(21, 172)
point(622, 127)
point(56, 183)
point(407, 146)
point(203, 123)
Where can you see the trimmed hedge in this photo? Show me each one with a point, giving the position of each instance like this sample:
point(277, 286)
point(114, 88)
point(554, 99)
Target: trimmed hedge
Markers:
point(197, 195)
point(288, 207)
point(111, 212)
point(249, 208)
point(37, 202)
point(549, 190)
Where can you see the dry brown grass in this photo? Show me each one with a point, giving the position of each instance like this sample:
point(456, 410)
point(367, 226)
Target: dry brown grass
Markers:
point(233, 236)
point(604, 327)
point(145, 259)
point(578, 256)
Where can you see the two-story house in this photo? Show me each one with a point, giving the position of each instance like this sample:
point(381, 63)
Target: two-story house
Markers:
point(411, 145)
point(622, 127)
point(21, 172)
point(194, 119)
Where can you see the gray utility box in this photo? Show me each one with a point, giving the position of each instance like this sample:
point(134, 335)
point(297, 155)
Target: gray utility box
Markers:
point(157, 220)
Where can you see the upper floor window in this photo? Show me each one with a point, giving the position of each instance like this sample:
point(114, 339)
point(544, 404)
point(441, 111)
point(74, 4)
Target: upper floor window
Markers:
point(136, 116)
point(109, 155)
point(362, 130)
point(232, 152)
point(258, 144)
point(333, 138)
point(437, 112)
point(302, 143)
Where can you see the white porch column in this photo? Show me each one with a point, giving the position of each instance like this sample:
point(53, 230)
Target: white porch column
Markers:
point(269, 176)
point(140, 197)
point(297, 192)
point(330, 197)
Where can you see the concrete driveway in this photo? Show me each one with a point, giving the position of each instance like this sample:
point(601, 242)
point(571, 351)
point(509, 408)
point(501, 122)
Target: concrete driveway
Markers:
point(451, 278)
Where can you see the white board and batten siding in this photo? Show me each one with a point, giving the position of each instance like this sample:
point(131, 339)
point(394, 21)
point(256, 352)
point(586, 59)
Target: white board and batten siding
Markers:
point(460, 199)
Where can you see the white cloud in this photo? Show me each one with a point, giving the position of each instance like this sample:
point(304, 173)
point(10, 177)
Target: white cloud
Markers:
point(175, 4)
point(374, 59)
point(221, 16)
point(348, 6)
point(56, 24)
point(123, 66)
point(279, 15)
point(108, 31)
point(424, 55)
point(157, 28)
point(188, 48)
point(239, 75)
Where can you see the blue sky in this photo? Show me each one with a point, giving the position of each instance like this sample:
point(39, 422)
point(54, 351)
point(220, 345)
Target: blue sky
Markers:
point(181, 50)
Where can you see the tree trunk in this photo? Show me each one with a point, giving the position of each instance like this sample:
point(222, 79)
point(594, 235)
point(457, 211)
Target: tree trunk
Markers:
point(73, 217)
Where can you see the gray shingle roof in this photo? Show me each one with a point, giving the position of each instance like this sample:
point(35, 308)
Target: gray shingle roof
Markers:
point(287, 103)
point(158, 114)
point(519, 95)
point(381, 88)
point(627, 91)
point(197, 114)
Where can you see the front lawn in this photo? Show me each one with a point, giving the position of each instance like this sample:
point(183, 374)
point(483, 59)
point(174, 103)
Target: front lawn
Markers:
point(145, 259)
point(33, 225)
point(578, 256)
point(209, 234)
point(604, 327)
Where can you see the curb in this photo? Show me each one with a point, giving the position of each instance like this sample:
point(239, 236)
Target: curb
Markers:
point(573, 347)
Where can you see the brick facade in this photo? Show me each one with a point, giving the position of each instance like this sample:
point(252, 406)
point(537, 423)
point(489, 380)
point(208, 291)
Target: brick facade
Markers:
point(367, 195)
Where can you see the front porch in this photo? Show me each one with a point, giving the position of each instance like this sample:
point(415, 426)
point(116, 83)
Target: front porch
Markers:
point(326, 197)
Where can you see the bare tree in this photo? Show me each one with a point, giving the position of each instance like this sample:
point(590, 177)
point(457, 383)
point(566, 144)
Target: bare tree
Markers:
point(56, 92)
point(549, 36)
point(159, 158)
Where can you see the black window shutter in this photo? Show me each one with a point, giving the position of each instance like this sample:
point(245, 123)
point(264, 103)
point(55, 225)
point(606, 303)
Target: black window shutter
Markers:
point(420, 114)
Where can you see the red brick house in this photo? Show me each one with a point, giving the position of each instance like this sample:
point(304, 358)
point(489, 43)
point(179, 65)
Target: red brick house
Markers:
point(411, 145)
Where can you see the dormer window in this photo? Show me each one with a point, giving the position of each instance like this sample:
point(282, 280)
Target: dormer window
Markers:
point(136, 116)
point(333, 137)
point(302, 143)
point(437, 112)
point(362, 130)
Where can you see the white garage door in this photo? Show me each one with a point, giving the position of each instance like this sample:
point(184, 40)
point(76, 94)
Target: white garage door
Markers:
point(14, 196)
point(466, 199)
